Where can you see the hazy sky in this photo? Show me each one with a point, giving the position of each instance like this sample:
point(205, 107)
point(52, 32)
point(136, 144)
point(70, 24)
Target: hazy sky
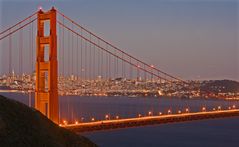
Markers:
point(191, 39)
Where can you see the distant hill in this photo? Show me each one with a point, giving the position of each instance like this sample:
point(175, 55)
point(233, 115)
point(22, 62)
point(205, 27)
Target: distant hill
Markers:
point(220, 86)
point(24, 126)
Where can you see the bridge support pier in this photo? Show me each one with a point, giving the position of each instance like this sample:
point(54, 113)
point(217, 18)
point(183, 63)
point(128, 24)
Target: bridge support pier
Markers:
point(46, 94)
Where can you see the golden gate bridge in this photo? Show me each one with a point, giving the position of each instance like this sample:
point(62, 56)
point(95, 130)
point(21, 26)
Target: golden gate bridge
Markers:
point(59, 50)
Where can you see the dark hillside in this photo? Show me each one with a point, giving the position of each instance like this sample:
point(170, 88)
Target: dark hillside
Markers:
point(220, 86)
point(24, 126)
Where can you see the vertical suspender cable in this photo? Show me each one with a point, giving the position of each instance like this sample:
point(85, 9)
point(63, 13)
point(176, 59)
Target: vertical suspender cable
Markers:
point(77, 57)
point(63, 48)
point(81, 54)
point(32, 48)
point(122, 66)
point(94, 66)
point(69, 53)
point(90, 64)
point(137, 78)
point(109, 63)
point(117, 66)
point(130, 69)
point(85, 69)
point(102, 66)
point(20, 52)
point(10, 54)
point(98, 56)
point(106, 64)
point(72, 51)
point(90, 72)
point(114, 65)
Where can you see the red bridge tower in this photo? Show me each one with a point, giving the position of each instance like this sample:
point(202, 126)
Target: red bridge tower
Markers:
point(46, 95)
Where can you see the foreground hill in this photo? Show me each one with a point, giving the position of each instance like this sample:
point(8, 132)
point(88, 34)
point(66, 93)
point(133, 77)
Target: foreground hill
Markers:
point(23, 126)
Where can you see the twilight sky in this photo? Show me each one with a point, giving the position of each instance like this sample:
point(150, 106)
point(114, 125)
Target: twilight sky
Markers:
point(192, 39)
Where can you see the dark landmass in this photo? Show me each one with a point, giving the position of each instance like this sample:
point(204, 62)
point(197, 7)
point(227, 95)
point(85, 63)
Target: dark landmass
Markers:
point(24, 126)
point(220, 86)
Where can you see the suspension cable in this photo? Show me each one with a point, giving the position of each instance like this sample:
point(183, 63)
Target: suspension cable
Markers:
point(116, 48)
point(18, 29)
point(18, 23)
point(87, 40)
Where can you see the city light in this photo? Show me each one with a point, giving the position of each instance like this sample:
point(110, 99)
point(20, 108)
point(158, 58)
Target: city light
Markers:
point(233, 106)
point(76, 122)
point(139, 115)
point(160, 113)
point(169, 111)
point(92, 119)
point(179, 111)
point(219, 108)
point(203, 109)
point(160, 92)
point(117, 117)
point(107, 116)
point(187, 110)
point(149, 113)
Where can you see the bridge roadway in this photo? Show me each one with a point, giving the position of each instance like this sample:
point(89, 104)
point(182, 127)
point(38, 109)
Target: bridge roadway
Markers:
point(150, 120)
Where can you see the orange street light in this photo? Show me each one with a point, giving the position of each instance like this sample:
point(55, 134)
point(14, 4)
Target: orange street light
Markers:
point(64, 122)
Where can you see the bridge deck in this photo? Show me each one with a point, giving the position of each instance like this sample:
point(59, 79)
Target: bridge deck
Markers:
point(150, 120)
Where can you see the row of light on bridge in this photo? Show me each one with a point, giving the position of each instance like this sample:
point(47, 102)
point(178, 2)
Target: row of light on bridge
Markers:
point(150, 113)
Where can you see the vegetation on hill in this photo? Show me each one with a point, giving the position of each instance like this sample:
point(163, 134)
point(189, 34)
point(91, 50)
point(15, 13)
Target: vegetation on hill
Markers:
point(24, 126)
point(224, 86)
